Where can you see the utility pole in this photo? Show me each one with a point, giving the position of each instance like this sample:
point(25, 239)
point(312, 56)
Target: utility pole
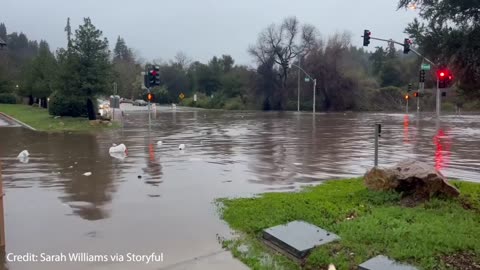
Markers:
point(438, 98)
point(149, 110)
point(298, 91)
point(406, 109)
point(114, 99)
point(314, 93)
point(2, 214)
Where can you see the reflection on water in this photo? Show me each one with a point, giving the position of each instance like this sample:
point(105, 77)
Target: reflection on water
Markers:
point(159, 198)
point(406, 128)
point(442, 149)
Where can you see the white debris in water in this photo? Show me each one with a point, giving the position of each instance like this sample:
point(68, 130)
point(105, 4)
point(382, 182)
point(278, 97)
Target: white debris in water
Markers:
point(181, 146)
point(87, 174)
point(23, 154)
point(80, 204)
point(70, 167)
point(297, 164)
point(159, 143)
point(117, 148)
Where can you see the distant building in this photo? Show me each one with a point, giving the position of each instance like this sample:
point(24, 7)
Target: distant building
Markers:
point(2, 43)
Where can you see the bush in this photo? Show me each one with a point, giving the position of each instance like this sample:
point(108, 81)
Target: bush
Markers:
point(235, 103)
point(448, 107)
point(67, 106)
point(471, 106)
point(217, 102)
point(7, 98)
point(188, 102)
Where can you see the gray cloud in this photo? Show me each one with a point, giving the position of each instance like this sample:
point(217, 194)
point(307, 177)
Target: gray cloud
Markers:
point(200, 28)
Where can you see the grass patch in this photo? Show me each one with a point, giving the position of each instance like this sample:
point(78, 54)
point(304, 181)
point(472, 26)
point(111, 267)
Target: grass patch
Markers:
point(369, 223)
point(39, 119)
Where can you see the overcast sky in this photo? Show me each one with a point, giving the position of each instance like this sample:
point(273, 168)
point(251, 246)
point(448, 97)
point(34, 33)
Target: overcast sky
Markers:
point(157, 29)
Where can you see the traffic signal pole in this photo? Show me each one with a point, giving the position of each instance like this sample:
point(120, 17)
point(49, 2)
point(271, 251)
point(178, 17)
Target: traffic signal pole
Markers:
point(149, 110)
point(438, 98)
point(424, 58)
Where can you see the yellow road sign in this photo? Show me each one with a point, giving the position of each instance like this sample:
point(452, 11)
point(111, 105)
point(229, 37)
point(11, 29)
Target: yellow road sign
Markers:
point(181, 96)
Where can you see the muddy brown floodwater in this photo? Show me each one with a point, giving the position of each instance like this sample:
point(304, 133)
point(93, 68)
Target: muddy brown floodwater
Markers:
point(52, 208)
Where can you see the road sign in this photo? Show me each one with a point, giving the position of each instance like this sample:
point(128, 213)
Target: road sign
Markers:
point(425, 66)
point(307, 79)
point(181, 96)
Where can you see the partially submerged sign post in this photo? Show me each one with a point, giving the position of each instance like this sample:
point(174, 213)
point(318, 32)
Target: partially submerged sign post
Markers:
point(2, 214)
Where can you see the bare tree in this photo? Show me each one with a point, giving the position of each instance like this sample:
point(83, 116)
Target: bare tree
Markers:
point(182, 60)
point(283, 43)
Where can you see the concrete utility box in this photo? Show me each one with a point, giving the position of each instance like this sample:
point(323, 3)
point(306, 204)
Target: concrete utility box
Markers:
point(297, 238)
point(381, 263)
point(115, 102)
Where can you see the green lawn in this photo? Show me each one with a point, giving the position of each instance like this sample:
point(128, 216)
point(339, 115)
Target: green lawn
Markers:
point(369, 223)
point(39, 119)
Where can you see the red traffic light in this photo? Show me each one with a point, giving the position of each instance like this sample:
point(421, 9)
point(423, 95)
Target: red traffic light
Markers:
point(150, 96)
point(415, 94)
point(407, 97)
point(444, 73)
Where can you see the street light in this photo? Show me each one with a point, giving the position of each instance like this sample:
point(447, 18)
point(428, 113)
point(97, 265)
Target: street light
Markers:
point(314, 84)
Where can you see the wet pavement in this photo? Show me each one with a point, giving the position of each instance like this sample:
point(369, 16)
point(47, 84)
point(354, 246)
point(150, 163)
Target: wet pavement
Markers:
point(160, 199)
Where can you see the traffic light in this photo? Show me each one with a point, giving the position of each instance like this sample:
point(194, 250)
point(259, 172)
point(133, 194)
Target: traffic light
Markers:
point(366, 37)
point(415, 94)
point(156, 69)
point(152, 78)
point(422, 76)
point(445, 78)
point(407, 97)
point(406, 45)
point(150, 97)
point(410, 87)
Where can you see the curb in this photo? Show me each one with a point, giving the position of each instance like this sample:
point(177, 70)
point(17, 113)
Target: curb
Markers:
point(17, 121)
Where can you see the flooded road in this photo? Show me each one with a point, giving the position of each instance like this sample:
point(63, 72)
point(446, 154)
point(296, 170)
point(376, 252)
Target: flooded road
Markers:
point(160, 199)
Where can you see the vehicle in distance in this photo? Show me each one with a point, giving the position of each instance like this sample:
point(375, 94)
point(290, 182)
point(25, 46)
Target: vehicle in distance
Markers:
point(140, 102)
point(126, 100)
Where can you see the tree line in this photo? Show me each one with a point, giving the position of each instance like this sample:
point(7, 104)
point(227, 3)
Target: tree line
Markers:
point(348, 77)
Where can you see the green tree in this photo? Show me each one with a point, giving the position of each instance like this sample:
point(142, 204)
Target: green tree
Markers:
point(378, 59)
point(450, 35)
point(121, 52)
point(68, 29)
point(125, 69)
point(3, 31)
point(86, 66)
point(41, 75)
point(226, 63)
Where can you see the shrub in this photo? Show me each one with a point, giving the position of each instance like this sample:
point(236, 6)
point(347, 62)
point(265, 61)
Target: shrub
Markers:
point(61, 105)
point(235, 103)
point(448, 107)
point(8, 98)
point(188, 102)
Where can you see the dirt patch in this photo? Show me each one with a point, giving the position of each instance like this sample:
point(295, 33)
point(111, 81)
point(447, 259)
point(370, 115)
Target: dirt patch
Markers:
point(462, 261)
